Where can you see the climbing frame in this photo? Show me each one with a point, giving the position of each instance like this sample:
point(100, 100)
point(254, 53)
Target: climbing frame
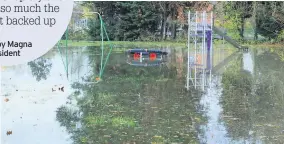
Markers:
point(200, 49)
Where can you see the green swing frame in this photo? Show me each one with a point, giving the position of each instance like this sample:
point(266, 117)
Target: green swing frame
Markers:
point(103, 63)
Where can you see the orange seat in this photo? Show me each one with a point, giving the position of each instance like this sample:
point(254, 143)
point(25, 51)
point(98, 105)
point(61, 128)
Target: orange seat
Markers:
point(153, 56)
point(136, 56)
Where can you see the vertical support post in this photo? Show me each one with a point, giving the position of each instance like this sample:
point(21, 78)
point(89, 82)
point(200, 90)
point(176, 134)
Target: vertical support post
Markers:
point(223, 45)
point(140, 57)
point(203, 49)
point(102, 45)
point(211, 48)
point(195, 48)
point(66, 53)
point(188, 54)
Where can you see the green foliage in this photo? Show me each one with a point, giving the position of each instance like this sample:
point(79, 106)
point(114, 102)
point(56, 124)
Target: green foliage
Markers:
point(145, 21)
point(265, 16)
point(125, 20)
point(280, 37)
point(94, 29)
point(77, 35)
point(235, 13)
point(266, 23)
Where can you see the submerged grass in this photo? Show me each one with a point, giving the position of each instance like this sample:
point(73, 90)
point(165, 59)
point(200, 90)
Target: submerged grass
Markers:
point(268, 45)
point(115, 121)
point(95, 120)
point(123, 122)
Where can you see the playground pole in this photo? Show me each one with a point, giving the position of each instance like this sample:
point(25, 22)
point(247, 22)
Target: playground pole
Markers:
point(140, 57)
point(188, 55)
point(211, 48)
point(66, 46)
point(203, 50)
point(102, 46)
point(195, 45)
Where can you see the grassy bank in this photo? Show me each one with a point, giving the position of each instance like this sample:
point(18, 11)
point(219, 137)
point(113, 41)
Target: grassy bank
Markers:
point(269, 45)
point(127, 44)
point(169, 44)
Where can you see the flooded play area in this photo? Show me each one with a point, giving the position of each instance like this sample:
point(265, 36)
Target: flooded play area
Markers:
point(133, 104)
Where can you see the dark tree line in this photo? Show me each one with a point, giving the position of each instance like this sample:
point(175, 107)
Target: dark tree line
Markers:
point(137, 20)
point(267, 17)
point(154, 21)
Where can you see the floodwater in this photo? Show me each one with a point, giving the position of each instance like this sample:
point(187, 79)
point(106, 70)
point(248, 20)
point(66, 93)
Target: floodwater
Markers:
point(243, 102)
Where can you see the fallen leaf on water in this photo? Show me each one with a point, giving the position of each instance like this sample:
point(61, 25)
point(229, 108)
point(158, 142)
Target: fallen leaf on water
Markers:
point(107, 136)
point(6, 99)
point(9, 132)
point(61, 89)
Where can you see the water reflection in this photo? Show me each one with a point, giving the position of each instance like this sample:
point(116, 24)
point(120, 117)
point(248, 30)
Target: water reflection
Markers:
point(30, 111)
point(40, 68)
point(146, 60)
point(248, 62)
point(134, 104)
point(144, 104)
point(250, 101)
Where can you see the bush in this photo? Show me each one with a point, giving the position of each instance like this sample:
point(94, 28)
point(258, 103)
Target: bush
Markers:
point(280, 37)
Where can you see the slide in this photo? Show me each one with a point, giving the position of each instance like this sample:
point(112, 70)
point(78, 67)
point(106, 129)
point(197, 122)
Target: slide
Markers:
point(228, 39)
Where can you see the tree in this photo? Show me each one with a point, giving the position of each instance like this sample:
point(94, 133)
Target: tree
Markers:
point(267, 19)
point(127, 20)
point(236, 13)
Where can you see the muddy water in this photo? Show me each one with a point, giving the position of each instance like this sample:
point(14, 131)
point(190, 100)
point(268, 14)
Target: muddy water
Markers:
point(30, 111)
point(244, 103)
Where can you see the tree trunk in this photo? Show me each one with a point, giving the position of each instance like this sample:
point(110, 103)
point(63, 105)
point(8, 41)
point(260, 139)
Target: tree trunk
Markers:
point(164, 6)
point(242, 28)
point(162, 27)
point(255, 35)
point(173, 26)
point(173, 32)
point(255, 20)
point(165, 28)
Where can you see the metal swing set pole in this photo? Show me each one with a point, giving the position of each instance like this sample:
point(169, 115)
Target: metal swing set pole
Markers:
point(188, 53)
point(103, 31)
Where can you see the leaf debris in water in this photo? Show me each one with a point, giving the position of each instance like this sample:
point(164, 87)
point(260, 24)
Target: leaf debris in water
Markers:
point(6, 99)
point(9, 132)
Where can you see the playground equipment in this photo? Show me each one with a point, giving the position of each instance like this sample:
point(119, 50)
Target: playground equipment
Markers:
point(228, 39)
point(144, 57)
point(199, 65)
point(200, 48)
point(146, 51)
point(103, 62)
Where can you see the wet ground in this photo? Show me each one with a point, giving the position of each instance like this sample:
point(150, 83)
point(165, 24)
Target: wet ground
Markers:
point(242, 104)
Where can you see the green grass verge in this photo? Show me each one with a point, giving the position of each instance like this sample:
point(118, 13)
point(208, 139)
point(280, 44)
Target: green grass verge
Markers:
point(127, 44)
point(168, 44)
point(269, 45)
